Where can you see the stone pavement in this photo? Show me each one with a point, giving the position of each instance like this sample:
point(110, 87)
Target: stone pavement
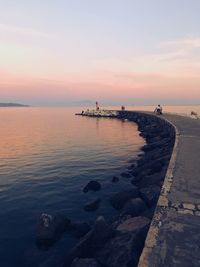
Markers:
point(174, 236)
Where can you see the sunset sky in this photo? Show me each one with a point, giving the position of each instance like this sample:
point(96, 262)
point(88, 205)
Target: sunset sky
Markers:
point(56, 52)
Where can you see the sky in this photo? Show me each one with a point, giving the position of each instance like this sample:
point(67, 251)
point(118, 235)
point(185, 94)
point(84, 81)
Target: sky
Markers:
point(138, 52)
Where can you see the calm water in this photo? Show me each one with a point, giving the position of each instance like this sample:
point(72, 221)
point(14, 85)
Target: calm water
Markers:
point(47, 155)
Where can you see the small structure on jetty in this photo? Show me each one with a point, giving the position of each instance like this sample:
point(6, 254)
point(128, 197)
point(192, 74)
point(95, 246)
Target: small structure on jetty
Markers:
point(98, 113)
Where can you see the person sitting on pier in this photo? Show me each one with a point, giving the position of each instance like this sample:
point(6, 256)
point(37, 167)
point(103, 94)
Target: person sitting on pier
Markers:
point(158, 110)
point(122, 107)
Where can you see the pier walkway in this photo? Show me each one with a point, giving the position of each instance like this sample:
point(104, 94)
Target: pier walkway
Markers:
point(174, 235)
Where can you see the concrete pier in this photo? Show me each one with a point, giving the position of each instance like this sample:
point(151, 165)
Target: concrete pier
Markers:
point(174, 236)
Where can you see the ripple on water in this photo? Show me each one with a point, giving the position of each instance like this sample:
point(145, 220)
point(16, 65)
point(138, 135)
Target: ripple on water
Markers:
point(44, 166)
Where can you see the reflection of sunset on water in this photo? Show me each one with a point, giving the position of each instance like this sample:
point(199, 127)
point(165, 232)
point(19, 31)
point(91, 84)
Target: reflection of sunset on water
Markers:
point(35, 132)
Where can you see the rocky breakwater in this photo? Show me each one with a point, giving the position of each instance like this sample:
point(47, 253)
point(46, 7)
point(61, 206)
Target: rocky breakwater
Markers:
point(118, 242)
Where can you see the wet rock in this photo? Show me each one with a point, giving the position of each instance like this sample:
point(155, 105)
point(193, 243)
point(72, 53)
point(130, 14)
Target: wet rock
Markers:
point(152, 146)
point(119, 199)
point(88, 262)
point(126, 175)
point(148, 213)
point(121, 251)
point(135, 171)
point(80, 229)
point(102, 231)
point(155, 179)
point(156, 154)
point(141, 172)
point(132, 166)
point(115, 179)
point(92, 186)
point(94, 205)
point(119, 219)
point(134, 207)
point(91, 242)
point(150, 166)
point(150, 194)
point(155, 168)
point(50, 228)
point(134, 225)
point(135, 180)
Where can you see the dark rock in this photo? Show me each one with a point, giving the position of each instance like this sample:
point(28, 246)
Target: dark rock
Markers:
point(92, 186)
point(132, 166)
point(155, 168)
point(94, 205)
point(155, 179)
point(164, 135)
point(126, 174)
point(150, 194)
point(152, 146)
point(80, 229)
point(156, 154)
point(50, 228)
point(141, 172)
point(88, 262)
point(122, 250)
point(150, 166)
point(115, 179)
point(119, 199)
point(134, 225)
point(134, 207)
point(102, 231)
point(135, 171)
point(119, 219)
point(154, 139)
point(135, 180)
point(148, 213)
point(91, 242)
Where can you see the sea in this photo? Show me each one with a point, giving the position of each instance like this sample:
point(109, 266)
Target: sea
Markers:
point(47, 156)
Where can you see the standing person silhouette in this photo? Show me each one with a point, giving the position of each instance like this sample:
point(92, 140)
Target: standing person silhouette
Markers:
point(97, 106)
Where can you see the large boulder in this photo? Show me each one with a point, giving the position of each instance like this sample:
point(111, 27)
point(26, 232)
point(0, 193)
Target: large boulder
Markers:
point(155, 179)
point(137, 225)
point(148, 213)
point(155, 168)
point(150, 194)
point(156, 154)
point(121, 251)
point(150, 166)
point(119, 199)
point(101, 232)
point(92, 241)
point(92, 206)
point(149, 147)
point(87, 262)
point(50, 228)
point(92, 186)
point(135, 180)
point(134, 207)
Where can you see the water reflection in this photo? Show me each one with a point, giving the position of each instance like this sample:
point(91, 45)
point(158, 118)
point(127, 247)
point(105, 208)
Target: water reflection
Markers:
point(47, 155)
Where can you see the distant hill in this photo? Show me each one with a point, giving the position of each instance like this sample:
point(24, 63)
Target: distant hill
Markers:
point(12, 105)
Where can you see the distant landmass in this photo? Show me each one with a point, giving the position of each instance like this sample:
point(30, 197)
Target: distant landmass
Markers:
point(12, 105)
